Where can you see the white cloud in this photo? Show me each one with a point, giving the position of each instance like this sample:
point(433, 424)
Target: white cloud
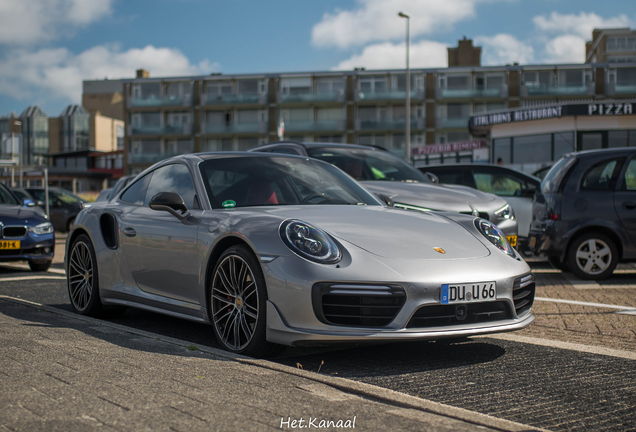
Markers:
point(377, 20)
point(565, 49)
point(580, 25)
point(504, 49)
point(24, 22)
point(387, 55)
point(57, 72)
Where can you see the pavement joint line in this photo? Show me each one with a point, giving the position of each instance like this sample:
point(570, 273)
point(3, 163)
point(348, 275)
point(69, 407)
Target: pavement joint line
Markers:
point(580, 303)
point(23, 278)
point(369, 391)
point(563, 345)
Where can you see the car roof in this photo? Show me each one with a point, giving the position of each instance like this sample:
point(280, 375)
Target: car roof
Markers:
point(310, 145)
point(619, 151)
point(222, 155)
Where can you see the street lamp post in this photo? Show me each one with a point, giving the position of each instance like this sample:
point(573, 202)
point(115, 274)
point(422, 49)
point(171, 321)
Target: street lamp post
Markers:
point(408, 90)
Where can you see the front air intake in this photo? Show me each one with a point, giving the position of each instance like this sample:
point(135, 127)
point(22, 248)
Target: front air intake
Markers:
point(523, 293)
point(357, 305)
point(439, 315)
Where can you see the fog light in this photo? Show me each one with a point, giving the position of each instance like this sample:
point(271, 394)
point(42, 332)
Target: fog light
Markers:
point(47, 250)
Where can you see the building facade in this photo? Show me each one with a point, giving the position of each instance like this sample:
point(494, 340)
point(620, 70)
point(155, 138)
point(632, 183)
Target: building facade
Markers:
point(174, 115)
point(35, 136)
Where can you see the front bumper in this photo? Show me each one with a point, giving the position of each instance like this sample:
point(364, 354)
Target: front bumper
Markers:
point(294, 319)
point(34, 248)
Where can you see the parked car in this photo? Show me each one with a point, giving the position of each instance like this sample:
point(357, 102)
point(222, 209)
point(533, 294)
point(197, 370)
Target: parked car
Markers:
point(106, 194)
point(63, 206)
point(21, 195)
point(396, 181)
point(542, 172)
point(584, 218)
point(285, 250)
point(25, 233)
point(514, 186)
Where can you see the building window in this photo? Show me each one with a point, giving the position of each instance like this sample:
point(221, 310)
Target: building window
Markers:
point(457, 111)
point(296, 86)
point(563, 143)
point(330, 85)
point(532, 149)
point(373, 84)
point(538, 78)
point(502, 150)
point(218, 144)
point(177, 147)
point(247, 143)
point(249, 86)
point(248, 116)
point(625, 43)
point(219, 88)
point(330, 114)
point(490, 107)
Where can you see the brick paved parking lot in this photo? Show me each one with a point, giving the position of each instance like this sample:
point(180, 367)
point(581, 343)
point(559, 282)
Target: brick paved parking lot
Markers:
point(569, 322)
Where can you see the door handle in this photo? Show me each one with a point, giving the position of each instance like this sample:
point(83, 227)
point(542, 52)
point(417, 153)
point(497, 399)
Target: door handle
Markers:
point(629, 205)
point(129, 232)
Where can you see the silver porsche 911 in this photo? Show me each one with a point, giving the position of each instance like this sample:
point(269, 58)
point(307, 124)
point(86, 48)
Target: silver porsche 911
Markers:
point(278, 250)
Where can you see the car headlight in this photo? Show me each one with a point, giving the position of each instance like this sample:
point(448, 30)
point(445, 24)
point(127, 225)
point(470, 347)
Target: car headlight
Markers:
point(494, 236)
point(505, 212)
point(44, 228)
point(309, 242)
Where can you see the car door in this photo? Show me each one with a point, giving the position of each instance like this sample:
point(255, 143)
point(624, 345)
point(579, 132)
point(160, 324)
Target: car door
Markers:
point(510, 187)
point(625, 199)
point(160, 249)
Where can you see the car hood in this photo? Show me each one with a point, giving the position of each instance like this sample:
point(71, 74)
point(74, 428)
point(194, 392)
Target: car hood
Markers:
point(452, 198)
point(20, 215)
point(390, 233)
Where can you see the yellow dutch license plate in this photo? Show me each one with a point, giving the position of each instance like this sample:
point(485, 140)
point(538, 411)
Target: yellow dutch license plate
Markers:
point(9, 244)
point(512, 240)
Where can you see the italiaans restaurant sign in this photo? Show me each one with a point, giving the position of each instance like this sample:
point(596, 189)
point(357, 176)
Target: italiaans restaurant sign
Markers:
point(555, 111)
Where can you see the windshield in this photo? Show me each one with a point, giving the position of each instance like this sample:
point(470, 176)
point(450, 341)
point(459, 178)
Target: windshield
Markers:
point(69, 198)
point(278, 180)
point(369, 164)
point(6, 197)
point(552, 180)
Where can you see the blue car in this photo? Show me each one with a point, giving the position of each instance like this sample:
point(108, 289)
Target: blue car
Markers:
point(25, 232)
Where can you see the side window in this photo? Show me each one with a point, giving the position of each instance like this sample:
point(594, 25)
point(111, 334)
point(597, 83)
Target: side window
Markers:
point(630, 176)
point(498, 184)
point(601, 176)
point(173, 178)
point(136, 194)
point(458, 177)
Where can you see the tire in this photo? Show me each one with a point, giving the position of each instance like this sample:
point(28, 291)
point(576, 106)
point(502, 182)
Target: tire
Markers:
point(40, 267)
point(238, 301)
point(82, 278)
point(557, 264)
point(592, 256)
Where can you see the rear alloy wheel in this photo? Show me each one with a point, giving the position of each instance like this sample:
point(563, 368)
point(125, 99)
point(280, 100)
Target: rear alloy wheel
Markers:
point(82, 280)
point(592, 256)
point(238, 301)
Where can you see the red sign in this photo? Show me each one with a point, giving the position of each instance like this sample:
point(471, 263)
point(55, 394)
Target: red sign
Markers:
point(447, 148)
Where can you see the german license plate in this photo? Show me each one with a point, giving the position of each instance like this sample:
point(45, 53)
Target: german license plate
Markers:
point(468, 293)
point(9, 244)
point(512, 240)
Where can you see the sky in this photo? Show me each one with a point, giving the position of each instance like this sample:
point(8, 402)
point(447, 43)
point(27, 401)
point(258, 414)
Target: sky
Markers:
point(47, 47)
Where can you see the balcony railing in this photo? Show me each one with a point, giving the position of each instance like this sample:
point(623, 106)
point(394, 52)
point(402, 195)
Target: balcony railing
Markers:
point(452, 123)
point(472, 93)
point(309, 126)
point(338, 96)
point(558, 90)
point(159, 101)
point(232, 99)
point(619, 89)
point(256, 127)
point(389, 124)
point(160, 130)
point(388, 95)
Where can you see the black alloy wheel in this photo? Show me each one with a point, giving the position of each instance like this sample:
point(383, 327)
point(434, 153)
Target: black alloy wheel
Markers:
point(238, 300)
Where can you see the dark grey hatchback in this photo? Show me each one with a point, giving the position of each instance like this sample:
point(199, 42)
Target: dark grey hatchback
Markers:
point(584, 218)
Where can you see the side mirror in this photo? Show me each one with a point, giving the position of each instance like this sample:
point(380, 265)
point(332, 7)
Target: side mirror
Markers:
point(170, 202)
point(26, 202)
point(529, 192)
point(432, 177)
point(385, 199)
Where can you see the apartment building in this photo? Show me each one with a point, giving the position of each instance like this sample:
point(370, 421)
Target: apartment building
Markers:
point(166, 116)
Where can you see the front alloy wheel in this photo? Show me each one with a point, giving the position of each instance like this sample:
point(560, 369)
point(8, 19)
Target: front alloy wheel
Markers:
point(83, 289)
point(238, 300)
point(593, 256)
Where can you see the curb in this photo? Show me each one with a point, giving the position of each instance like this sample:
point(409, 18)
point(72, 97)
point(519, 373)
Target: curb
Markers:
point(368, 391)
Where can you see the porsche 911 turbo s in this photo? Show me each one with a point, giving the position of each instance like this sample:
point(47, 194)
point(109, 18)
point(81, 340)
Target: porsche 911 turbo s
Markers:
point(278, 250)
